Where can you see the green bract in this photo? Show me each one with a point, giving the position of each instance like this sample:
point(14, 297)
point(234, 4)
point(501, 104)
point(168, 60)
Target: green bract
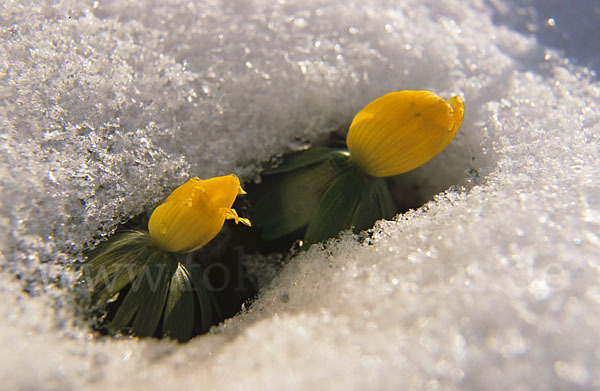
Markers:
point(322, 190)
point(156, 284)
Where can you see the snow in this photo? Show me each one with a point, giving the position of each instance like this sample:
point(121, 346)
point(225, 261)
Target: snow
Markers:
point(106, 106)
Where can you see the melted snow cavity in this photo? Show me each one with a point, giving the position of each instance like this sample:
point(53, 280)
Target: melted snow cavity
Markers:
point(105, 106)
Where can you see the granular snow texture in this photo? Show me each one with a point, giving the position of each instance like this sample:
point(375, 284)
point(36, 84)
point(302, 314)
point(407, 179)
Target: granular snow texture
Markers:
point(494, 283)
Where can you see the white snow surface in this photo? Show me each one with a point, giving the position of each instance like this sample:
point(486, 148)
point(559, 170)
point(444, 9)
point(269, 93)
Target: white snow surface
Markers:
point(494, 283)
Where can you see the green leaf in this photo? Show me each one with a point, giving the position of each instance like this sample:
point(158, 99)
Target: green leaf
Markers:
point(178, 320)
point(295, 160)
point(354, 201)
point(290, 203)
point(196, 273)
point(375, 204)
point(146, 298)
point(366, 213)
point(336, 208)
point(115, 263)
point(387, 207)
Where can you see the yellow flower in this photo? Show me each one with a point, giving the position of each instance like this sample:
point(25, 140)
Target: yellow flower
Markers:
point(402, 130)
point(194, 214)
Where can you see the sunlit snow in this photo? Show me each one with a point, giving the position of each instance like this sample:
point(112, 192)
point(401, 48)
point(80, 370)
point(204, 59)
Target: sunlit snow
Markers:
point(106, 106)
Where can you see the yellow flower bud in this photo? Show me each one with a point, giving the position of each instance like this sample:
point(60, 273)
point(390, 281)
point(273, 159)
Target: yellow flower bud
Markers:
point(402, 130)
point(194, 214)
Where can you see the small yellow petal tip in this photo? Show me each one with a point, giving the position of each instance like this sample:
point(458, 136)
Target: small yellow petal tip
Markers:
point(458, 106)
point(231, 214)
point(245, 221)
point(402, 130)
point(194, 213)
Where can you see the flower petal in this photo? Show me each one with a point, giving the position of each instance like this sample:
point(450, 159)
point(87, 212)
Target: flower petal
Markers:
point(193, 214)
point(222, 190)
point(231, 214)
point(402, 130)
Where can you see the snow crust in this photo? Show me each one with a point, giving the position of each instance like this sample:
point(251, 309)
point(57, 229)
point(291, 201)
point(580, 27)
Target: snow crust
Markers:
point(106, 106)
